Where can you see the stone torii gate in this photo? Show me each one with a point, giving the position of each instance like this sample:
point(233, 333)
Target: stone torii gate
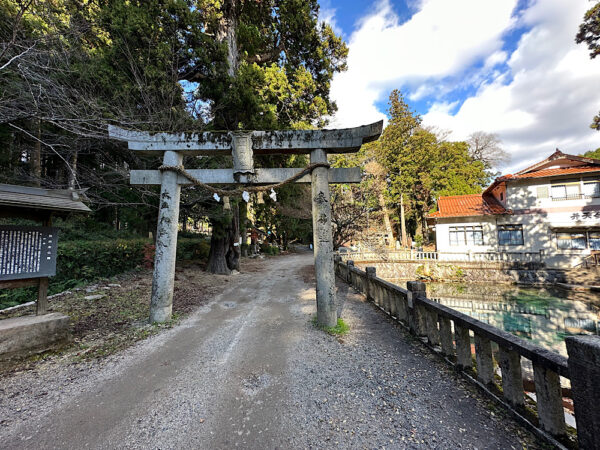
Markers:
point(242, 146)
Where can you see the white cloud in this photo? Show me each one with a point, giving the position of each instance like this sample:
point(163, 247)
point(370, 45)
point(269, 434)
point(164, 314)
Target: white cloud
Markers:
point(551, 96)
point(327, 15)
point(498, 57)
point(441, 39)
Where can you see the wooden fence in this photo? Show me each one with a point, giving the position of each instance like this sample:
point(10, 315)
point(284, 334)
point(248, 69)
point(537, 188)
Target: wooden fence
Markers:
point(450, 332)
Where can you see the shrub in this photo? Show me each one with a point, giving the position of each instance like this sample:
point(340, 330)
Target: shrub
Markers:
point(192, 249)
point(89, 260)
point(268, 249)
point(83, 261)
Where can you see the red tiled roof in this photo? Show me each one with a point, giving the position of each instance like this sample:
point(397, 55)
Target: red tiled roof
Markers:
point(468, 205)
point(560, 155)
point(556, 171)
point(544, 173)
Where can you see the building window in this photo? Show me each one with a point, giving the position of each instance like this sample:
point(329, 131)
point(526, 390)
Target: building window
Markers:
point(510, 234)
point(471, 235)
point(501, 196)
point(542, 192)
point(566, 191)
point(571, 241)
point(591, 188)
point(594, 240)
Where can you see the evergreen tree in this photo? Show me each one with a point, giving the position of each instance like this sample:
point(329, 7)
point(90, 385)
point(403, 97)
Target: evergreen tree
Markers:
point(589, 33)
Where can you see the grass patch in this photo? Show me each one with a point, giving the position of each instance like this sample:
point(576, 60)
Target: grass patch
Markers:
point(118, 319)
point(339, 330)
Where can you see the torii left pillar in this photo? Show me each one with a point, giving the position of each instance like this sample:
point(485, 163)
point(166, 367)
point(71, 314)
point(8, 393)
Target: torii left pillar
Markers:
point(161, 303)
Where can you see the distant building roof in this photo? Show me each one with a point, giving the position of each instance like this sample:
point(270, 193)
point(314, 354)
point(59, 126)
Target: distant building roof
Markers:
point(16, 198)
point(557, 164)
point(468, 205)
point(555, 171)
point(559, 157)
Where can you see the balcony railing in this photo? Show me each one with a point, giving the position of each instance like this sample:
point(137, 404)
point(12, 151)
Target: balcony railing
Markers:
point(574, 197)
point(414, 255)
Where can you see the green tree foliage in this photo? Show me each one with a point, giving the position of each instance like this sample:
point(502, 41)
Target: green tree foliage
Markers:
point(592, 154)
point(68, 68)
point(280, 73)
point(589, 33)
point(280, 62)
point(421, 167)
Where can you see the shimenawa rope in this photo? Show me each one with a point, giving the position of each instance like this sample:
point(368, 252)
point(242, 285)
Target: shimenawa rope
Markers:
point(225, 192)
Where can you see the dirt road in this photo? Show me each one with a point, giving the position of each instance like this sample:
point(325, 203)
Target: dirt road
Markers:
point(250, 371)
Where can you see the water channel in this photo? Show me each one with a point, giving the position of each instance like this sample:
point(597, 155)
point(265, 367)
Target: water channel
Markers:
point(543, 315)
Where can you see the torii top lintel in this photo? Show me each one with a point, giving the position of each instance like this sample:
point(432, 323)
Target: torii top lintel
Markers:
point(348, 140)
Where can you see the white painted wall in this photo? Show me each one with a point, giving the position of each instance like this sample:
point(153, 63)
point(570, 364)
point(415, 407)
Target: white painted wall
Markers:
point(442, 230)
point(537, 235)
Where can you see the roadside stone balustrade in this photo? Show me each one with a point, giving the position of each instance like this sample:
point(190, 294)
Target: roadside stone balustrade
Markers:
point(452, 333)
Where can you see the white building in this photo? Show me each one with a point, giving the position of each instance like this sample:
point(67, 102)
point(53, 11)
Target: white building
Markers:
point(549, 212)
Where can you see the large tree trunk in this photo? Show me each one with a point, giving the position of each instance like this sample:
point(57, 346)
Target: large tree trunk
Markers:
point(217, 263)
point(403, 223)
point(224, 256)
point(234, 252)
point(227, 33)
point(386, 220)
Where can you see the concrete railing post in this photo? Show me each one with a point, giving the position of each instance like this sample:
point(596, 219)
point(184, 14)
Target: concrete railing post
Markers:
point(584, 370)
point(401, 307)
point(433, 334)
point(350, 265)
point(415, 317)
point(548, 394)
point(464, 358)
point(161, 303)
point(485, 361)
point(512, 377)
point(446, 336)
point(391, 301)
point(371, 273)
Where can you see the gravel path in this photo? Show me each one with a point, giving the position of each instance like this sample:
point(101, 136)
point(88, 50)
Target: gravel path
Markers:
point(250, 371)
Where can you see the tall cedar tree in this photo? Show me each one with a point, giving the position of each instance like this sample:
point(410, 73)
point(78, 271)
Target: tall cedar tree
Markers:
point(421, 167)
point(281, 61)
point(589, 32)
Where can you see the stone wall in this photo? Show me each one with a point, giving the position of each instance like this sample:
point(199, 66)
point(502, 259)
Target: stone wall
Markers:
point(466, 272)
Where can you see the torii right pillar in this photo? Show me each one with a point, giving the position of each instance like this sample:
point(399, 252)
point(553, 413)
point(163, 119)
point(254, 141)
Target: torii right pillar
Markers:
point(323, 241)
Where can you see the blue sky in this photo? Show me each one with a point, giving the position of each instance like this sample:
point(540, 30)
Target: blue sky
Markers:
point(509, 67)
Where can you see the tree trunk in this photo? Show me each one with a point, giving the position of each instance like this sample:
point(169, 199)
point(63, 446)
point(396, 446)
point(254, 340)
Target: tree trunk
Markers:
point(73, 171)
point(223, 255)
point(117, 224)
point(403, 222)
point(217, 263)
point(36, 155)
point(234, 252)
point(386, 220)
point(227, 33)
